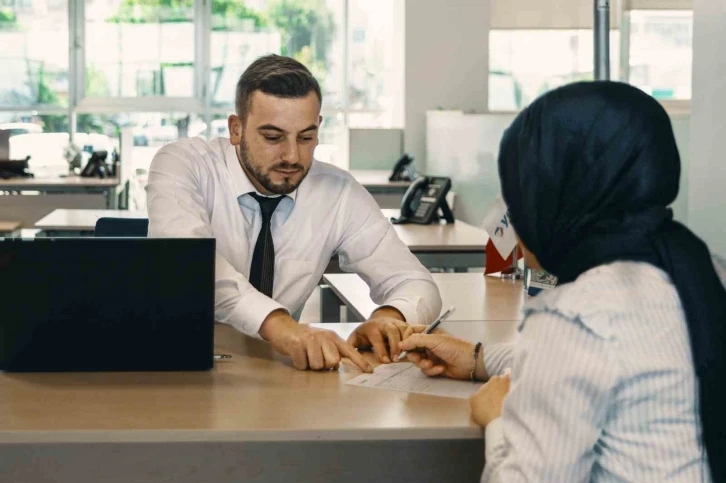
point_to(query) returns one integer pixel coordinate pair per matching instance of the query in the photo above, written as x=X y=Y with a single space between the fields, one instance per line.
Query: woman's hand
x=486 y=404
x=443 y=355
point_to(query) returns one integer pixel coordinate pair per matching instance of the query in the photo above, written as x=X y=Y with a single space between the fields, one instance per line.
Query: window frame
x=681 y=106
x=200 y=103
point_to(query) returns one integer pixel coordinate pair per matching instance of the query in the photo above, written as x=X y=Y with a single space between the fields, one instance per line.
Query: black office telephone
x=15 y=168
x=423 y=200
x=96 y=166
x=403 y=169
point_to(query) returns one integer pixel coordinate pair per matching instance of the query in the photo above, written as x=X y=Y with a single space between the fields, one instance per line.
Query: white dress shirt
x=603 y=386
x=197 y=188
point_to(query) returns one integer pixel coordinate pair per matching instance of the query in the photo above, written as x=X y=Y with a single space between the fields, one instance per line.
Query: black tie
x=262 y=271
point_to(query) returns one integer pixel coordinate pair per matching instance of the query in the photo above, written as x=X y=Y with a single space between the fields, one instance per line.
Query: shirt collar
x=240 y=182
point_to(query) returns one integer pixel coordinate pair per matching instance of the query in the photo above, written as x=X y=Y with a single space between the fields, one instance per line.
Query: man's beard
x=283 y=188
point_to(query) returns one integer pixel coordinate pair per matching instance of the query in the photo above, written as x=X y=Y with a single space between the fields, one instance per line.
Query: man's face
x=275 y=146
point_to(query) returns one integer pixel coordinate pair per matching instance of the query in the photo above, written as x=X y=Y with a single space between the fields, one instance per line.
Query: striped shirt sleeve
x=497 y=358
x=563 y=374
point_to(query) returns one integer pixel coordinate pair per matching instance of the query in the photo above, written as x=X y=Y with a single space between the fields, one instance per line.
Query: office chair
x=122 y=227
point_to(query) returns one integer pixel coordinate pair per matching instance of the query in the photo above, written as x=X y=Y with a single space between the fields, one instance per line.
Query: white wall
x=682 y=131
x=447 y=65
x=465 y=147
x=707 y=173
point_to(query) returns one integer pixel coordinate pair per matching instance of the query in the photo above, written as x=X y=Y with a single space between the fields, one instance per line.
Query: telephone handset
x=96 y=166
x=403 y=169
x=423 y=199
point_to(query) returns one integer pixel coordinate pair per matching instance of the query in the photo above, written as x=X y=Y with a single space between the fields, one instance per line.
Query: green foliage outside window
x=307 y=27
x=7 y=16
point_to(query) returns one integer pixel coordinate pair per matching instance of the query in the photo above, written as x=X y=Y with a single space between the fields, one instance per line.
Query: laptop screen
x=106 y=304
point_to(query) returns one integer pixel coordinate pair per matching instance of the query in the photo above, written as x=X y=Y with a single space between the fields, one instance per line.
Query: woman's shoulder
x=608 y=293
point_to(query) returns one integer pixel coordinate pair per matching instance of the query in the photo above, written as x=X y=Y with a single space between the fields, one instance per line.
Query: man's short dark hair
x=277 y=76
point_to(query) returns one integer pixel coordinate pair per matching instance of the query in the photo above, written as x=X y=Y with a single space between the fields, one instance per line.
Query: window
x=307 y=30
x=522 y=64
x=34 y=54
x=43 y=137
x=136 y=48
x=375 y=75
x=167 y=69
x=661 y=52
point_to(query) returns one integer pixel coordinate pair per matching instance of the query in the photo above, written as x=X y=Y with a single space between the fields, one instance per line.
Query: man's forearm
x=275 y=323
x=418 y=301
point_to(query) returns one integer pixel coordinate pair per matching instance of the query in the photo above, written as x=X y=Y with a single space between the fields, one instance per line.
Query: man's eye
x=306 y=139
x=272 y=138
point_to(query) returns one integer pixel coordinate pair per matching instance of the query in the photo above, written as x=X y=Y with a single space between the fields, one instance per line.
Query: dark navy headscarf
x=588 y=172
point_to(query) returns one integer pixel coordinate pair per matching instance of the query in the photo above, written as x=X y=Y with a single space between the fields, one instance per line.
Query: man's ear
x=234 y=124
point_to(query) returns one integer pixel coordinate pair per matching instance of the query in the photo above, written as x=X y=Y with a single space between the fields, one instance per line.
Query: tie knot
x=267 y=205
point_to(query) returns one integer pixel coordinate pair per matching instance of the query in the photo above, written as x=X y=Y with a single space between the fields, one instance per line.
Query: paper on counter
x=404 y=376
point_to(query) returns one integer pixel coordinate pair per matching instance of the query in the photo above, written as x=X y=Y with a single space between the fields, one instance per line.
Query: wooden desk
x=253 y=418
x=457 y=246
x=79 y=222
x=68 y=192
x=475 y=296
x=9 y=229
x=376 y=180
x=56 y=184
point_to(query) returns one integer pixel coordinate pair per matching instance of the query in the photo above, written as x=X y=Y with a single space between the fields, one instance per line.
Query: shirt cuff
x=497 y=358
x=493 y=440
x=251 y=311
x=406 y=307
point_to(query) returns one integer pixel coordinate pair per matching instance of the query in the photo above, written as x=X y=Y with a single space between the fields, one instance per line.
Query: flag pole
x=513 y=272
x=602 y=39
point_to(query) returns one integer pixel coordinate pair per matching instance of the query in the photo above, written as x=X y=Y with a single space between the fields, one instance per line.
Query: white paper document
x=404 y=376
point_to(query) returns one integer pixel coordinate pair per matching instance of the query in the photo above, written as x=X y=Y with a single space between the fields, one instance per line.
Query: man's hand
x=383 y=332
x=486 y=404
x=309 y=348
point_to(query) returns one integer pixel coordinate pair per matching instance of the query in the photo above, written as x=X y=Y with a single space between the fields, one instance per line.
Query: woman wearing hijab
x=618 y=373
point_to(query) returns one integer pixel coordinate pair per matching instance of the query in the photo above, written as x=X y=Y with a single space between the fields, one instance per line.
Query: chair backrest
x=122 y=227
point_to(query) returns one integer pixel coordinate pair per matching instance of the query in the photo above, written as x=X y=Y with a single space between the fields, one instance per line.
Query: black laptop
x=106 y=304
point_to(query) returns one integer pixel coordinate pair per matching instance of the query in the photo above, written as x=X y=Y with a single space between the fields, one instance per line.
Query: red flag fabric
x=494 y=261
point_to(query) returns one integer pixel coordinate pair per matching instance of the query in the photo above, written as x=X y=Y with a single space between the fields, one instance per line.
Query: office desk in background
x=61 y=223
x=253 y=418
x=57 y=192
x=388 y=194
x=10 y=229
x=476 y=297
x=376 y=181
x=455 y=246
x=458 y=246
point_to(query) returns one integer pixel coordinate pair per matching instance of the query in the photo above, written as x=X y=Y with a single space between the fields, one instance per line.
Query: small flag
x=494 y=261
x=502 y=238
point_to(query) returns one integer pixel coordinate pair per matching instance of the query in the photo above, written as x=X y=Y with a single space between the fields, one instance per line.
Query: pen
x=431 y=327
x=218 y=357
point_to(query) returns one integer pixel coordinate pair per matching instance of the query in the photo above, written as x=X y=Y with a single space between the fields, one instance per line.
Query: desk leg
x=329 y=305
x=111 y=199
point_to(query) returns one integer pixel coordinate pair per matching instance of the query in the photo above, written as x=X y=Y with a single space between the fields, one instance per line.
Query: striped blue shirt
x=603 y=386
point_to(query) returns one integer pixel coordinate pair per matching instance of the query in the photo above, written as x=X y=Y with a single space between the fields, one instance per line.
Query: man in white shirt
x=279 y=216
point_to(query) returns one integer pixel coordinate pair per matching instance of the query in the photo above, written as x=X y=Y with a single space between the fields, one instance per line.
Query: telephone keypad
x=422 y=210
